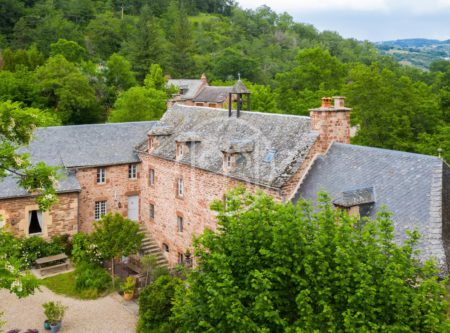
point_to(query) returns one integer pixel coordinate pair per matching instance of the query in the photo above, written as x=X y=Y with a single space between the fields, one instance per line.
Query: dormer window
x=358 y=202
x=180 y=150
x=229 y=161
x=151 y=143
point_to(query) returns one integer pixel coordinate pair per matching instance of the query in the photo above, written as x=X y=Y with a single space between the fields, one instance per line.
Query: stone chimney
x=204 y=79
x=332 y=121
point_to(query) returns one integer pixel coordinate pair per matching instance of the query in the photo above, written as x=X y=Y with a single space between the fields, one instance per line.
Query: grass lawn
x=64 y=284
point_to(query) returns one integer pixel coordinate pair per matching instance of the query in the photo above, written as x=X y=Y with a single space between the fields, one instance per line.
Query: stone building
x=165 y=174
x=199 y=93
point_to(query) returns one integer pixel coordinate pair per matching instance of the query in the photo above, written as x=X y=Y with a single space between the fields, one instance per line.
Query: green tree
x=104 y=35
x=69 y=49
x=263 y=99
x=275 y=267
x=155 y=305
x=316 y=74
x=147 y=44
x=119 y=73
x=115 y=237
x=68 y=91
x=16 y=127
x=155 y=78
x=139 y=104
x=230 y=62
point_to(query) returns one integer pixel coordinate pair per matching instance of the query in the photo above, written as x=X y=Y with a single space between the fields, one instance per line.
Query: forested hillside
x=84 y=61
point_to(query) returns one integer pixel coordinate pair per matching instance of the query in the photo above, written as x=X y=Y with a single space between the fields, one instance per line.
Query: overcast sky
x=375 y=20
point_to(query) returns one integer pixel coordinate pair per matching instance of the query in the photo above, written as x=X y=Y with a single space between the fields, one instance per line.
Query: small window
x=180 y=258
x=152 y=211
x=101 y=175
x=228 y=160
x=36 y=222
x=180 y=223
x=165 y=247
x=150 y=143
x=100 y=209
x=180 y=188
x=151 y=177
x=270 y=155
x=180 y=150
x=132 y=171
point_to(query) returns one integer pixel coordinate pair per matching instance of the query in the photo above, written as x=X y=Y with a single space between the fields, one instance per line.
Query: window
x=100 y=209
x=228 y=160
x=132 y=171
x=180 y=150
x=151 y=211
x=270 y=155
x=35 y=222
x=180 y=225
x=101 y=175
x=165 y=247
x=151 y=177
x=150 y=143
x=180 y=188
x=180 y=258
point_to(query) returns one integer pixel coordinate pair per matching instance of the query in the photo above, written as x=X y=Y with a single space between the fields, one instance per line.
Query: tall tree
x=104 y=35
x=116 y=236
x=68 y=91
x=147 y=44
x=274 y=267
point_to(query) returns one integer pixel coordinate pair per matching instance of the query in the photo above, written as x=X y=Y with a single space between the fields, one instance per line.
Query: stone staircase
x=150 y=247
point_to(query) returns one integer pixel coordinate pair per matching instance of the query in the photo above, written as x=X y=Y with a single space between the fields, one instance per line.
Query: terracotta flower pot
x=128 y=296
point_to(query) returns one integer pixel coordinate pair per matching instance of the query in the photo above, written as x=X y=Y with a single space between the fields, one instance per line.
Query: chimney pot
x=326 y=102
x=339 y=101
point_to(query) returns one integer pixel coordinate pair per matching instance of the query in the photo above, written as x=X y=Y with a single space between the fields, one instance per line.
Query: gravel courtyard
x=102 y=315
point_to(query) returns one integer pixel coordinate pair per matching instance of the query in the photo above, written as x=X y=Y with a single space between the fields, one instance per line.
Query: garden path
x=103 y=315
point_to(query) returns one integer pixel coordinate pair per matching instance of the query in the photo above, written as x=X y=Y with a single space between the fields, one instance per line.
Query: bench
x=49 y=263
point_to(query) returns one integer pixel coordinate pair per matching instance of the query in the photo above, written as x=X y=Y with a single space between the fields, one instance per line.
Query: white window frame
x=180 y=150
x=101 y=175
x=180 y=188
x=100 y=210
x=132 y=171
x=180 y=224
x=151 y=177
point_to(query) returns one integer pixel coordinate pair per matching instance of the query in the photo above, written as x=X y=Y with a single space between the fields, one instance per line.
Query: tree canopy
x=274 y=267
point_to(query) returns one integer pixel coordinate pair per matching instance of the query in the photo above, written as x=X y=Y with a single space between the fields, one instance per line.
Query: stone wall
x=332 y=125
x=200 y=189
x=114 y=191
x=61 y=219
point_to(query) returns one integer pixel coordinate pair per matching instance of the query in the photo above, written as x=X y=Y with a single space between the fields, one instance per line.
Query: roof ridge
x=102 y=124
x=390 y=151
x=183 y=106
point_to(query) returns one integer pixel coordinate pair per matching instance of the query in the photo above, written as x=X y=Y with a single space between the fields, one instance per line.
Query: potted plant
x=128 y=288
x=54 y=311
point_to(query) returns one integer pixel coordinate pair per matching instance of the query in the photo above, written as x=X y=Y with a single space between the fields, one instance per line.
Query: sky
x=373 y=20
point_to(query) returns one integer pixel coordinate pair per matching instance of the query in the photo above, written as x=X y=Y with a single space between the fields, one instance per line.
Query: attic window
x=229 y=161
x=180 y=150
x=270 y=155
x=150 y=143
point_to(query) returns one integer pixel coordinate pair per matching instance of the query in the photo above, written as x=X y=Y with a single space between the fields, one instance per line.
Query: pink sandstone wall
x=61 y=219
x=115 y=192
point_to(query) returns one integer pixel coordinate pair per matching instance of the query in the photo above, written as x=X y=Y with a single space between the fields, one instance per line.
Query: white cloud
x=416 y=7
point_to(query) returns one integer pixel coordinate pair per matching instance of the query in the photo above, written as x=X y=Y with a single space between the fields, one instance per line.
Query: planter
x=128 y=296
x=55 y=327
x=47 y=325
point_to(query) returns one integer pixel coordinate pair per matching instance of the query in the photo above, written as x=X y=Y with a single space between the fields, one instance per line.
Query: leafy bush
x=84 y=249
x=91 y=278
x=63 y=242
x=36 y=247
x=155 y=305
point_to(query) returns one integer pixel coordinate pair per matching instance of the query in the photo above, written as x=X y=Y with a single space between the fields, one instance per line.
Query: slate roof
x=355 y=197
x=239 y=88
x=213 y=94
x=409 y=185
x=192 y=87
x=289 y=136
x=81 y=146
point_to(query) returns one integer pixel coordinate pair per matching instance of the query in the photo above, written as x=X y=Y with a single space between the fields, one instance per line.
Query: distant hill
x=417 y=52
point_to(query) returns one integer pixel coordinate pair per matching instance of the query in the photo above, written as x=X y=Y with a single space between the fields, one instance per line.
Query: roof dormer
x=155 y=134
x=184 y=143
x=233 y=150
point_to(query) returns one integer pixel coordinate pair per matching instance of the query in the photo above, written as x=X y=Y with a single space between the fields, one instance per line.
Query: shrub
x=155 y=305
x=63 y=242
x=84 y=250
x=36 y=247
x=91 y=277
x=54 y=311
